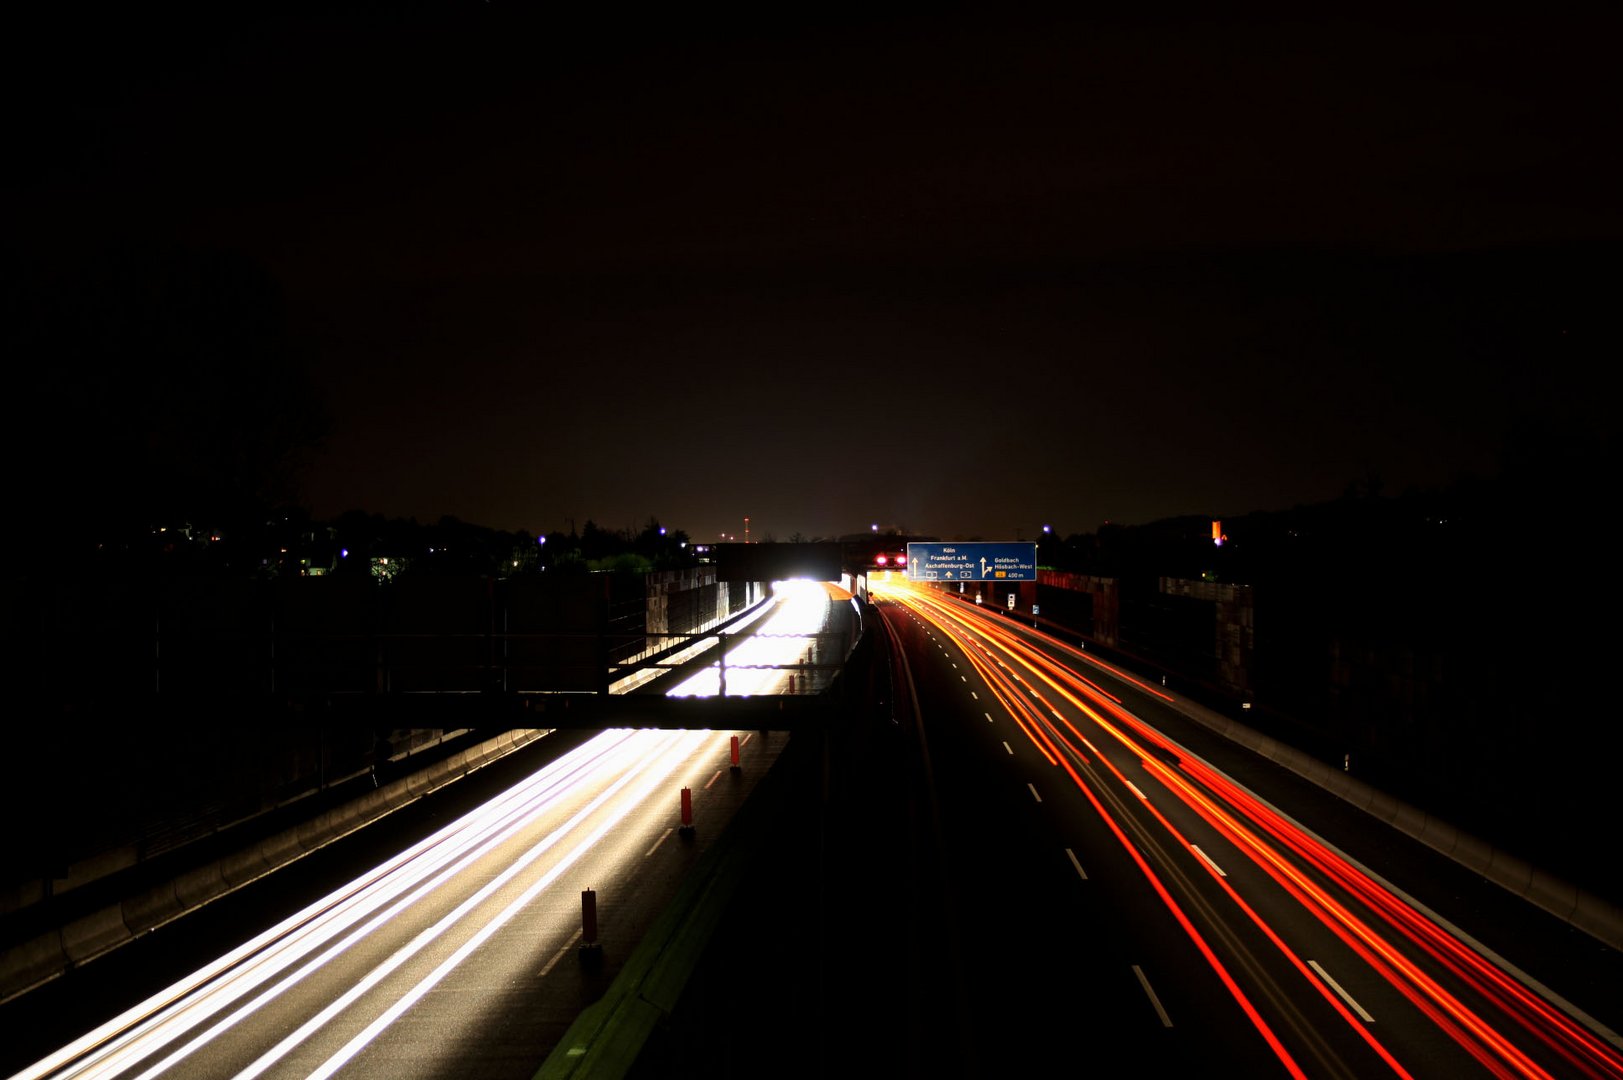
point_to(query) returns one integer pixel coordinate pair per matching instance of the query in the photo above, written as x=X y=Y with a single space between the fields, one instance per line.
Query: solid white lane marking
x=1351 y=1004
x=1033 y=788
x=1207 y=859
x=1166 y=1021
x=1081 y=873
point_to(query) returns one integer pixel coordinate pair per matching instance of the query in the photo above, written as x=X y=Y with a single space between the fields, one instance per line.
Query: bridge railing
x=305 y=664
x=298 y=643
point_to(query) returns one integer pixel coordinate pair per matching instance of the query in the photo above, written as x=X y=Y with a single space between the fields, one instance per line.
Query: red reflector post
x=590 y=950
x=588 y=917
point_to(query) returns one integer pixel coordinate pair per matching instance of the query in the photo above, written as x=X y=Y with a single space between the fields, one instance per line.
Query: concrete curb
x=32 y=963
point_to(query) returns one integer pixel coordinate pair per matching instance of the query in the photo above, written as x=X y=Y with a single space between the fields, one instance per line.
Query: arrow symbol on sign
x=983 y=566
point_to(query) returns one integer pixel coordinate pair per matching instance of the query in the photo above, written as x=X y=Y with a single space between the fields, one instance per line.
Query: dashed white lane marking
x=559 y=955
x=658 y=842
x=1081 y=873
x=1207 y=859
x=1166 y=1021
x=1351 y=1004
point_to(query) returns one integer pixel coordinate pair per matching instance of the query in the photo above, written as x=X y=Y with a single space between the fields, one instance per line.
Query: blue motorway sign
x=972 y=562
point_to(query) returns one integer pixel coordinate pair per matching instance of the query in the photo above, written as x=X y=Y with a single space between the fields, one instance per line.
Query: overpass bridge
x=243 y=706
x=587 y=650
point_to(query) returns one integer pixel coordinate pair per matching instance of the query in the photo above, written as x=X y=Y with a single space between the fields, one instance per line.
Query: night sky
x=963 y=273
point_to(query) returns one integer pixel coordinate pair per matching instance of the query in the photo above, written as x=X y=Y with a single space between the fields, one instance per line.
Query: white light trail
x=658 y=753
x=761 y=663
x=327 y=928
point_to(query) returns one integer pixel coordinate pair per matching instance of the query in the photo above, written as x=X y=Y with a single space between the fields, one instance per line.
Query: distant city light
x=343 y=553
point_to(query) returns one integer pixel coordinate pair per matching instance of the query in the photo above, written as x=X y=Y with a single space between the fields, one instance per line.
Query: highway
x=437 y=960
x=1248 y=937
x=1014 y=859
x=462 y=939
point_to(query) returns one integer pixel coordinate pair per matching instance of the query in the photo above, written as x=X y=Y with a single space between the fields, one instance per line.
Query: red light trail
x=1034 y=680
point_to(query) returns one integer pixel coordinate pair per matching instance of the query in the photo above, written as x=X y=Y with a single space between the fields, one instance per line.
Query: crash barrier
x=34 y=962
x=1600 y=918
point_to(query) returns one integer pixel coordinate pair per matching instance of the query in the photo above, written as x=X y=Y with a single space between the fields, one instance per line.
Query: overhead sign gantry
x=972 y=562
